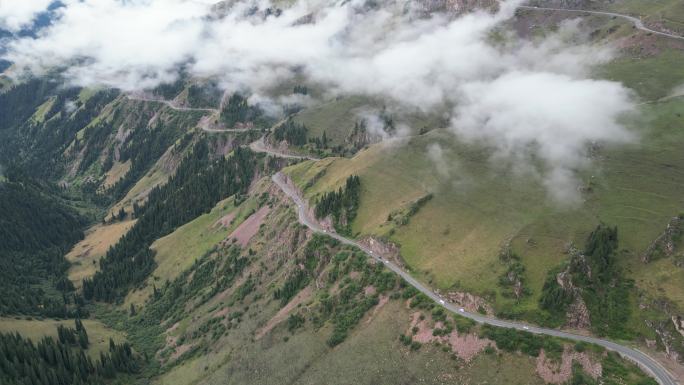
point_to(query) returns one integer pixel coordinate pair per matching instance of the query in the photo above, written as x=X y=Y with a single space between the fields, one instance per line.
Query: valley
x=301 y=228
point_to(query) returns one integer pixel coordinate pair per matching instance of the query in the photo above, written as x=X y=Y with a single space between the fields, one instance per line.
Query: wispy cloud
x=17 y=14
x=518 y=97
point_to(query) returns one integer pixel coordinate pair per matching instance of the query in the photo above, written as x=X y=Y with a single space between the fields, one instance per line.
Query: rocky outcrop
x=678 y=322
x=669 y=338
x=387 y=250
x=470 y=302
x=577 y=316
x=665 y=244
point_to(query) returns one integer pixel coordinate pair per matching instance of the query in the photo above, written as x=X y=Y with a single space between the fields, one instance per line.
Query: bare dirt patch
x=180 y=350
x=115 y=173
x=282 y=314
x=559 y=373
x=172 y=328
x=220 y=313
x=465 y=346
x=225 y=221
x=85 y=254
x=248 y=229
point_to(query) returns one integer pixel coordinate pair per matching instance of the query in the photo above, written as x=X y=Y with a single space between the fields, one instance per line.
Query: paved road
x=205 y=124
x=647 y=363
x=170 y=104
x=260 y=146
x=636 y=21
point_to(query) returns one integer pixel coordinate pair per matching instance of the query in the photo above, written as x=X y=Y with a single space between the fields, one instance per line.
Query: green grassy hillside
x=454 y=240
x=290 y=307
x=98 y=334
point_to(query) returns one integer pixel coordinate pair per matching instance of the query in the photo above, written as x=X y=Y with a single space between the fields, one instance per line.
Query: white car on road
x=462 y=310
x=441 y=301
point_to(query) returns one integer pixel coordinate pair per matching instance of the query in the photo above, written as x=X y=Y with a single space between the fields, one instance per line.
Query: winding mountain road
x=260 y=146
x=647 y=363
x=204 y=123
x=170 y=104
x=634 y=20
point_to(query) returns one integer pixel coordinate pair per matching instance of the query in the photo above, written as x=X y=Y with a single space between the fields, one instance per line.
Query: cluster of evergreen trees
x=38 y=147
x=342 y=204
x=199 y=183
x=237 y=110
x=292 y=132
x=601 y=282
x=36 y=230
x=77 y=336
x=301 y=90
x=144 y=147
x=57 y=362
x=20 y=102
x=204 y=96
x=170 y=90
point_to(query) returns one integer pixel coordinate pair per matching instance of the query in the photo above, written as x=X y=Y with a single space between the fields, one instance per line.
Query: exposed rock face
x=359 y=137
x=387 y=250
x=577 y=316
x=665 y=243
x=516 y=280
x=470 y=302
x=513 y=280
x=670 y=340
x=678 y=322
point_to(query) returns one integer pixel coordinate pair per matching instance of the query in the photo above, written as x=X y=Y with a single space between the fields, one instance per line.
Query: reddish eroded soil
x=180 y=350
x=220 y=313
x=225 y=221
x=248 y=229
x=172 y=328
x=560 y=373
x=465 y=346
x=282 y=314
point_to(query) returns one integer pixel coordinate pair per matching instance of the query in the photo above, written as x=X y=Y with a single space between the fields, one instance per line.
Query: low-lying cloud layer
x=17 y=14
x=523 y=99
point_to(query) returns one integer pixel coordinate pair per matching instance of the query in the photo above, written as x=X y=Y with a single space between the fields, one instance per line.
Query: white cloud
x=524 y=99
x=16 y=14
x=552 y=116
x=436 y=155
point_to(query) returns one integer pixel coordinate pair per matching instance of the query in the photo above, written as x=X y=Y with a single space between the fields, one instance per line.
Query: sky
x=525 y=99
